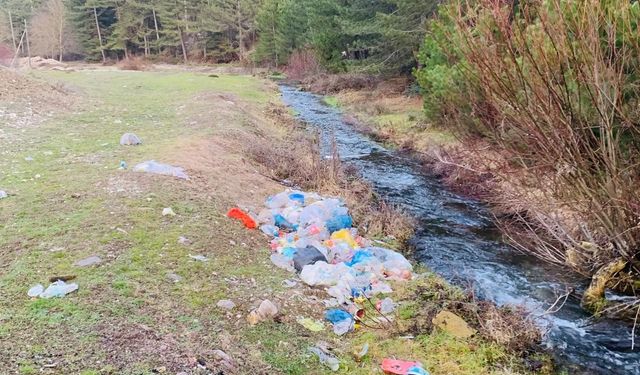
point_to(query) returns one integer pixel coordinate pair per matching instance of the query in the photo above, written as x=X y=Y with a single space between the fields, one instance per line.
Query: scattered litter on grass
x=28 y=158
x=267 y=310
x=386 y=306
x=342 y=321
x=310 y=324
x=153 y=166
x=247 y=220
x=90 y=261
x=36 y=291
x=56 y=289
x=398 y=367
x=123 y=165
x=359 y=356
x=168 y=211
x=130 y=139
x=200 y=258
x=325 y=357
x=3 y=194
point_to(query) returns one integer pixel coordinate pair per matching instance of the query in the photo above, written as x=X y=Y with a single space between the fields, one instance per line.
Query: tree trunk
x=13 y=34
x=240 y=34
x=146 y=46
x=26 y=35
x=95 y=14
x=184 y=48
x=15 y=56
x=155 y=23
x=186 y=16
x=60 y=40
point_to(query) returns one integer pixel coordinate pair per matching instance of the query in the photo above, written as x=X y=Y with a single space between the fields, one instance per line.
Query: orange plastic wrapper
x=236 y=213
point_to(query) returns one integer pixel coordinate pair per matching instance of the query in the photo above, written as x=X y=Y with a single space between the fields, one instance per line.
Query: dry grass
x=510 y=327
x=334 y=83
x=133 y=63
x=296 y=160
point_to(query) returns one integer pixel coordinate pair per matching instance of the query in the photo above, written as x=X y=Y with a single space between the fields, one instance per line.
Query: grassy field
x=69 y=200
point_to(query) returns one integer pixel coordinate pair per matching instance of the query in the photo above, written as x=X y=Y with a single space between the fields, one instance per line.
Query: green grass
x=331 y=101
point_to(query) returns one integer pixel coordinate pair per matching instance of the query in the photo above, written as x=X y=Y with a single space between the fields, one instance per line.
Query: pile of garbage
x=314 y=235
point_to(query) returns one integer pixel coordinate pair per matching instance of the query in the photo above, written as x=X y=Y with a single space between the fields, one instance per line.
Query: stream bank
x=457 y=239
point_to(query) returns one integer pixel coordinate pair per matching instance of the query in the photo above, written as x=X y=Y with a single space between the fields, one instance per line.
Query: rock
x=174 y=277
x=168 y=211
x=184 y=241
x=90 y=261
x=453 y=324
x=226 y=304
x=267 y=310
x=289 y=283
x=130 y=139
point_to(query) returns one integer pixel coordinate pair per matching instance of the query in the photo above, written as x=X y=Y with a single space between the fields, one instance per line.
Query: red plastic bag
x=236 y=213
x=397 y=367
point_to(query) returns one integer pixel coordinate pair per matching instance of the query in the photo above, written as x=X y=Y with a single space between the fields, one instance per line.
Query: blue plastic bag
x=337 y=315
x=339 y=222
x=358 y=257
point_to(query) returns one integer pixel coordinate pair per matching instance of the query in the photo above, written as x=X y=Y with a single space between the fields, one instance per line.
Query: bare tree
x=51 y=34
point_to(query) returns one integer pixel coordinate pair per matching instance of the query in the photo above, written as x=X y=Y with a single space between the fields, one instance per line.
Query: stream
x=457 y=239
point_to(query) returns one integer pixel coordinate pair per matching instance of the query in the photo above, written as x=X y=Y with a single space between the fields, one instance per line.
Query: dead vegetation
x=133 y=63
x=296 y=161
x=508 y=326
x=334 y=83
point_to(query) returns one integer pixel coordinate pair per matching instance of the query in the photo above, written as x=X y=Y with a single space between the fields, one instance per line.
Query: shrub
x=553 y=85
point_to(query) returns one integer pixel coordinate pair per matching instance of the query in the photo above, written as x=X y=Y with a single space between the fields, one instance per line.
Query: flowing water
x=456 y=238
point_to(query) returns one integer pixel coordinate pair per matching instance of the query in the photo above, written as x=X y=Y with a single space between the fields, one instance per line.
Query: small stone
x=184 y=241
x=90 y=261
x=289 y=283
x=453 y=324
x=130 y=139
x=226 y=304
x=174 y=278
x=168 y=211
x=267 y=310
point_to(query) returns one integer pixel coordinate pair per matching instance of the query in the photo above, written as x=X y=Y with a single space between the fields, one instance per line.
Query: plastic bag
x=322 y=273
x=283 y=262
x=326 y=359
x=247 y=220
x=153 y=166
x=398 y=367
